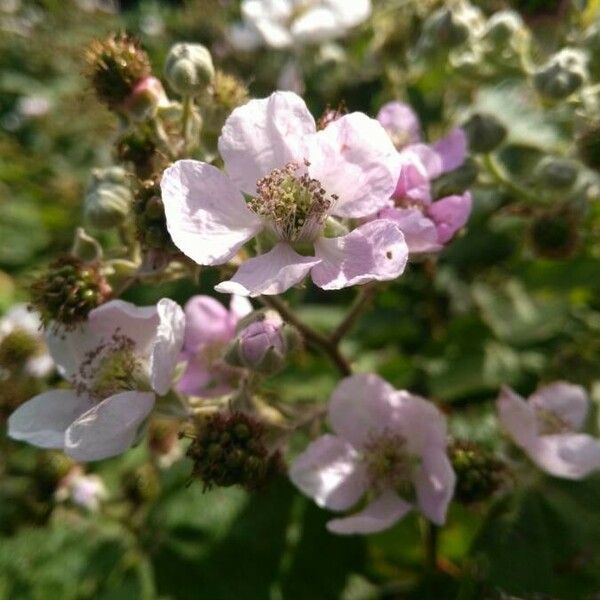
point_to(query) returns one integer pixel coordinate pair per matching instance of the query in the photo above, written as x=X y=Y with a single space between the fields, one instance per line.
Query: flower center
x=389 y=464
x=111 y=368
x=549 y=423
x=293 y=204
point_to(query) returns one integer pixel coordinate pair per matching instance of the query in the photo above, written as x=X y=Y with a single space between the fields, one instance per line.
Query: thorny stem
x=313 y=337
x=360 y=304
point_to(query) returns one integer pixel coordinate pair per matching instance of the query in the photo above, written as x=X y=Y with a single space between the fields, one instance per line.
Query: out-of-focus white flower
x=33 y=106
x=286 y=23
x=118 y=361
x=20 y=327
x=85 y=491
x=546 y=427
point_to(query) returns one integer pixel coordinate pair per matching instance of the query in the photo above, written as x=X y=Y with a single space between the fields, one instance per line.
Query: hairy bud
x=588 y=145
x=150 y=220
x=555 y=234
x=556 y=173
x=230 y=449
x=145 y=99
x=108 y=198
x=189 y=69
x=455 y=182
x=66 y=293
x=139 y=149
x=478 y=472
x=562 y=75
x=484 y=132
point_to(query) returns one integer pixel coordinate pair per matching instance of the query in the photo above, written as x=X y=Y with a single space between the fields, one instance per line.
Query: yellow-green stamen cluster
x=294 y=205
x=389 y=464
x=68 y=291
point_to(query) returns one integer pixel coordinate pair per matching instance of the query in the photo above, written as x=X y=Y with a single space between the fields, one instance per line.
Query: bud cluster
x=150 y=221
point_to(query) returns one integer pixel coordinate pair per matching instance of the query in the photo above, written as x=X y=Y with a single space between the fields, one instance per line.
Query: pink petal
x=452 y=149
x=207 y=216
x=207 y=321
x=449 y=215
x=270 y=273
x=413 y=178
x=420 y=233
x=434 y=484
x=377 y=516
x=330 y=472
x=360 y=406
x=401 y=123
x=167 y=345
x=352 y=158
x=567 y=401
x=109 y=428
x=375 y=251
x=203 y=380
x=568 y=455
x=43 y=420
x=263 y=135
x=430 y=160
x=517 y=417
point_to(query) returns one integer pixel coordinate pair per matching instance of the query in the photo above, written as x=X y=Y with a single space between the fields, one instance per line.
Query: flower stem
x=430 y=541
x=360 y=304
x=313 y=337
x=185 y=120
x=499 y=175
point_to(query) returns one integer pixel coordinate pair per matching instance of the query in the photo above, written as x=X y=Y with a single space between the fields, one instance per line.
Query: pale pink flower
x=295 y=179
x=118 y=361
x=388 y=445
x=546 y=427
x=285 y=23
x=209 y=328
x=401 y=122
x=83 y=490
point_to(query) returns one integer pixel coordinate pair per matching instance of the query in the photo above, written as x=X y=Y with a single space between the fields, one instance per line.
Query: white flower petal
x=375 y=251
x=264 y=135
x=350 y=13
x=43 y=420
x=207 y=216
x=378 y=515
x=567 y=455
x=420 y=233
x=517 y=417
x=353 y=158
x=167 y=345
x=108 y=428
x=434 y=482
x=567 y=401
x=69 y=348
x=270 y=273
x=330 y=472
x=360 y=406
x=317 y=25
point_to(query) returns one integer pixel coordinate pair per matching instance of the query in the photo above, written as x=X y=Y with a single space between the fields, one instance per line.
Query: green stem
x=313 y=337
x=430 y=541
x=185 y=120
x=499 y=175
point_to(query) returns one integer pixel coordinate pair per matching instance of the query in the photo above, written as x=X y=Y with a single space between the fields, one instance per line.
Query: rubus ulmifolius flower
x=389 y=447
x=117 y=362
x=547 y=427
x=427 y=225
x=286 y=183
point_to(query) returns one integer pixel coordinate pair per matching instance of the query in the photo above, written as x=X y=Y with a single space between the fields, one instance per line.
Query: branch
x=360 y=304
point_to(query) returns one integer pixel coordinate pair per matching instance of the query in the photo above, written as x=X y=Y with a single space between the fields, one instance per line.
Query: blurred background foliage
x=497 y=308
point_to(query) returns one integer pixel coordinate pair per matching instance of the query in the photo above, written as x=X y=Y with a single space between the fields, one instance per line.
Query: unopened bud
x=478 y=472
x=556 y=173
x=150 y=220
x=145 y=99
x=588 y=145
x=86 y=247
x=227 y=92
x=555 y=234
x=455 y=182
x=189 y=69
x=562 y=75
x=230 y=449
x=66 y=293
x=139 y=149
x=108 y=198
x=484 y=132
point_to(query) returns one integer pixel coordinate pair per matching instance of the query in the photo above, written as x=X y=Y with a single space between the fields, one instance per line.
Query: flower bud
x=229 y=448
x=555 y=234
x=556 y=173
x=478 y=472
x=142 y=484
x=150 y=220
x=506 y=41
x=226 y=93
x=562 y=75
x=484 y=132
x=115 y=66
x=66 y=293
x=588 y=145
x=108 y=198
x=189 y=69
x=139 y=149
x=145 y=99
x=455 y=182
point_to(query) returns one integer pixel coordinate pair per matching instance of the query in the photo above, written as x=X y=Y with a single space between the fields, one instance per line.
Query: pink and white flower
x=19 y=319
x=427 y=225
x=546 y=427
x=285 y=181
x=388 y=445
x=286 y=23
x=118 y=361
x=209 y=328
x=84 y=490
